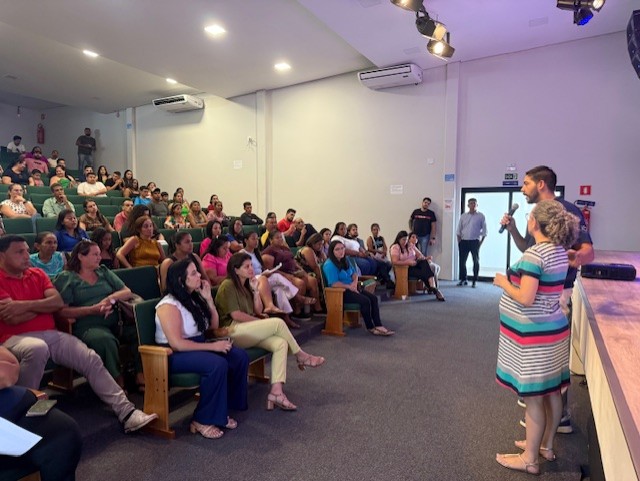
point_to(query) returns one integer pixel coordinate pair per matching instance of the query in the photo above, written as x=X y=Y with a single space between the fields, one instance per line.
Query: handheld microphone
x=514 y=208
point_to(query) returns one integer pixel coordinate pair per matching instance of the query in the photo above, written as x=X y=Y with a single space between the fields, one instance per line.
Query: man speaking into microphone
x=540 y=184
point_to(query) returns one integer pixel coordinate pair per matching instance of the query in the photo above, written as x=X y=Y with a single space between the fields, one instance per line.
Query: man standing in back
x=472 y=229
x=423 y=223
x=86 y=147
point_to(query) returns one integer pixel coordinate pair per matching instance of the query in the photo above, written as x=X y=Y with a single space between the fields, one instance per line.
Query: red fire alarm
x=585 y=190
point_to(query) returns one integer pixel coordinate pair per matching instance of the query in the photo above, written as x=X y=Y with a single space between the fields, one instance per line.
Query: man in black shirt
x=249 y=218
x=86 y=147
x=423 y=224
x=17 y=173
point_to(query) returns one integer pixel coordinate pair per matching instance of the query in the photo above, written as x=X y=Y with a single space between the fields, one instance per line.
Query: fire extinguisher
x=40 y=134
x=586 y=213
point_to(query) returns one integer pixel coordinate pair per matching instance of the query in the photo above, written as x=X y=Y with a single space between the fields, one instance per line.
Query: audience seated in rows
x=90 y=292
x=104 y=239
x=285 y=225
x=15 y=206
x=92 y=217
x=248 y=217
x=311 y=256
x=183 y=318
x=141 y=249
x=240 y=308
x=91 y=187
x=68 y=231
x=236 y=236
x=340 y=273
x=17 y=173
x=28 y=300
x=366 y=264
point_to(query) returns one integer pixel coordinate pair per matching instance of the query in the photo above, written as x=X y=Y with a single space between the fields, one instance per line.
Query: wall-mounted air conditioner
x=383 y=78
x=179 y=103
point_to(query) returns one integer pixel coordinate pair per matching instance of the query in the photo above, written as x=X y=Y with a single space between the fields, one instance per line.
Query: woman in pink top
x=213 y=230
x=216 y=259
x=405 y=254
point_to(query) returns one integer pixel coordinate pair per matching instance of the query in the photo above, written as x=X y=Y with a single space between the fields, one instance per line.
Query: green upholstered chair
x=34 y=189
x=18 y=225
x=46 y=224
x=143 y=281
x=109 y=210
x=197 y=234
x=115 y=194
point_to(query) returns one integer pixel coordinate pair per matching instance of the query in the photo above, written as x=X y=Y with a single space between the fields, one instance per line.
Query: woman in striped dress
x=533 y=350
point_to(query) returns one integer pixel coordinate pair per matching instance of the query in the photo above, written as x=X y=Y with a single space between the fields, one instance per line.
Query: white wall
x=65 y=124
x=25 y=126
x=574 y=107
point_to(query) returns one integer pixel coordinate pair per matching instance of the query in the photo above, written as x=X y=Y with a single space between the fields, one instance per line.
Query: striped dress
x=533 y=350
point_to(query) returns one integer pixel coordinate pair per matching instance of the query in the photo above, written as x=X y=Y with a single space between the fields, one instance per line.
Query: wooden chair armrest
x=39 y=394
x=366 y=278
x=339 y=290
x=147 y=350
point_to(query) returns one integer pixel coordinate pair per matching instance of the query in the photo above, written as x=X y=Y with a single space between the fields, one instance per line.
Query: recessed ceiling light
x=215 y=30
x=89 y=53
x=171 y=81
x=282 y=66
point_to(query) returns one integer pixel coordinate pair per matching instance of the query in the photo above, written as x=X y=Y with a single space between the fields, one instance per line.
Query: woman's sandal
x=231 y=423
x=206 y=430
x=310 y=361
x=309 y=301
x=376 y=331
x=273 y=310
x=280 y=401
x=438 y=294
x=546 y=453
x=523 y=466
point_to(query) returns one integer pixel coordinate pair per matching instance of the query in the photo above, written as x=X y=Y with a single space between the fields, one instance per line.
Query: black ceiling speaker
x=633 y=40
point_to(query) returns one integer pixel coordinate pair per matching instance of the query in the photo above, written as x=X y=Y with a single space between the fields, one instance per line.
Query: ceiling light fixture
x=429 y=27
x=441 y=48
x=171 y=81
x=411 y=5
x=582 y=9
x=282 y=66
x=215 y=30
x=91 y=54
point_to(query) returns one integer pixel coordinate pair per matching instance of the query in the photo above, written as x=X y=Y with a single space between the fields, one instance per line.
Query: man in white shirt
x=472 y=229
x=92 y=188
x=16 y=146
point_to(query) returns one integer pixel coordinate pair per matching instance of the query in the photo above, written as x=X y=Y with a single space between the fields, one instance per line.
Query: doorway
x=498 y=251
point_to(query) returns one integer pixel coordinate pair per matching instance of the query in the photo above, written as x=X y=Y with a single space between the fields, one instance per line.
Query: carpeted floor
x=422 y=405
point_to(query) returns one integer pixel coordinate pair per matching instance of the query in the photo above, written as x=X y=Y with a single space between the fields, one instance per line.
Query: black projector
x=614 y=272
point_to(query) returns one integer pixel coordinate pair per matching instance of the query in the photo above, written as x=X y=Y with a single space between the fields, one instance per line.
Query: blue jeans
x=83 y=161
x=423 y=244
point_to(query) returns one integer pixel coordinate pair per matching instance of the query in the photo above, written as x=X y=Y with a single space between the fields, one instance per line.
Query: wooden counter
x=606 y=341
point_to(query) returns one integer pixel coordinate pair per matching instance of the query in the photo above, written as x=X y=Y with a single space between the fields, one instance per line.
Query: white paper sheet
x=15 y=441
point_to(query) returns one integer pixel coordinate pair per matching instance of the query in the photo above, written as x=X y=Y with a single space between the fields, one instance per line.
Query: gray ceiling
x=142 y=42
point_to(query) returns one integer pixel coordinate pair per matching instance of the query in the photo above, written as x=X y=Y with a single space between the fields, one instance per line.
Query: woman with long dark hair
x=102 y=237
x=68 y=232
x=405 y=254
x=211 y=231
x=180 y=247
x=92 y=217
x=240 y=308
x=339 y=273
x=183 y=316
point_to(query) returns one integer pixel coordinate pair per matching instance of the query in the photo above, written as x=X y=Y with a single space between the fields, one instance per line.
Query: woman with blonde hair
x=533 y=348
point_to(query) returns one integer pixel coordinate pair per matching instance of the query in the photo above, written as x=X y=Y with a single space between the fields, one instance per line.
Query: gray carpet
x=422 y=405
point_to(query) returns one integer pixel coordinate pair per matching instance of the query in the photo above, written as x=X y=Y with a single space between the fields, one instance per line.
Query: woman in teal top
x=46 y=257
x=90 y=293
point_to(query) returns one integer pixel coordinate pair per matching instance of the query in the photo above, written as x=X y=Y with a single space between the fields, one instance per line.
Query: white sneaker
x=137 y=420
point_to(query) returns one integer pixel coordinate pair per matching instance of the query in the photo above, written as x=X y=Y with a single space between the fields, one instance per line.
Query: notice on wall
x=448 y=205
x=449 y=177
x=237 y=164
x=397 y=189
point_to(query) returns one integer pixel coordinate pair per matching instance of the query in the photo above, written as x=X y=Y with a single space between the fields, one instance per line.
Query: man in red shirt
x=286 y=225
x=27 y=303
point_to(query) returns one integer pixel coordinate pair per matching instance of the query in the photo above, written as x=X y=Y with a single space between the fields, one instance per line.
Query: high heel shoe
x=310 y=361
x=281 y=401
x=546 y=453
x=206 y=430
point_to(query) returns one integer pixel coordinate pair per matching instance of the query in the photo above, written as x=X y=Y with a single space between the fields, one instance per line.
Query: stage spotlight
x=441 y=48
x=411 y=5
x=430 y=28
x=581 y=16
x=594 y=4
